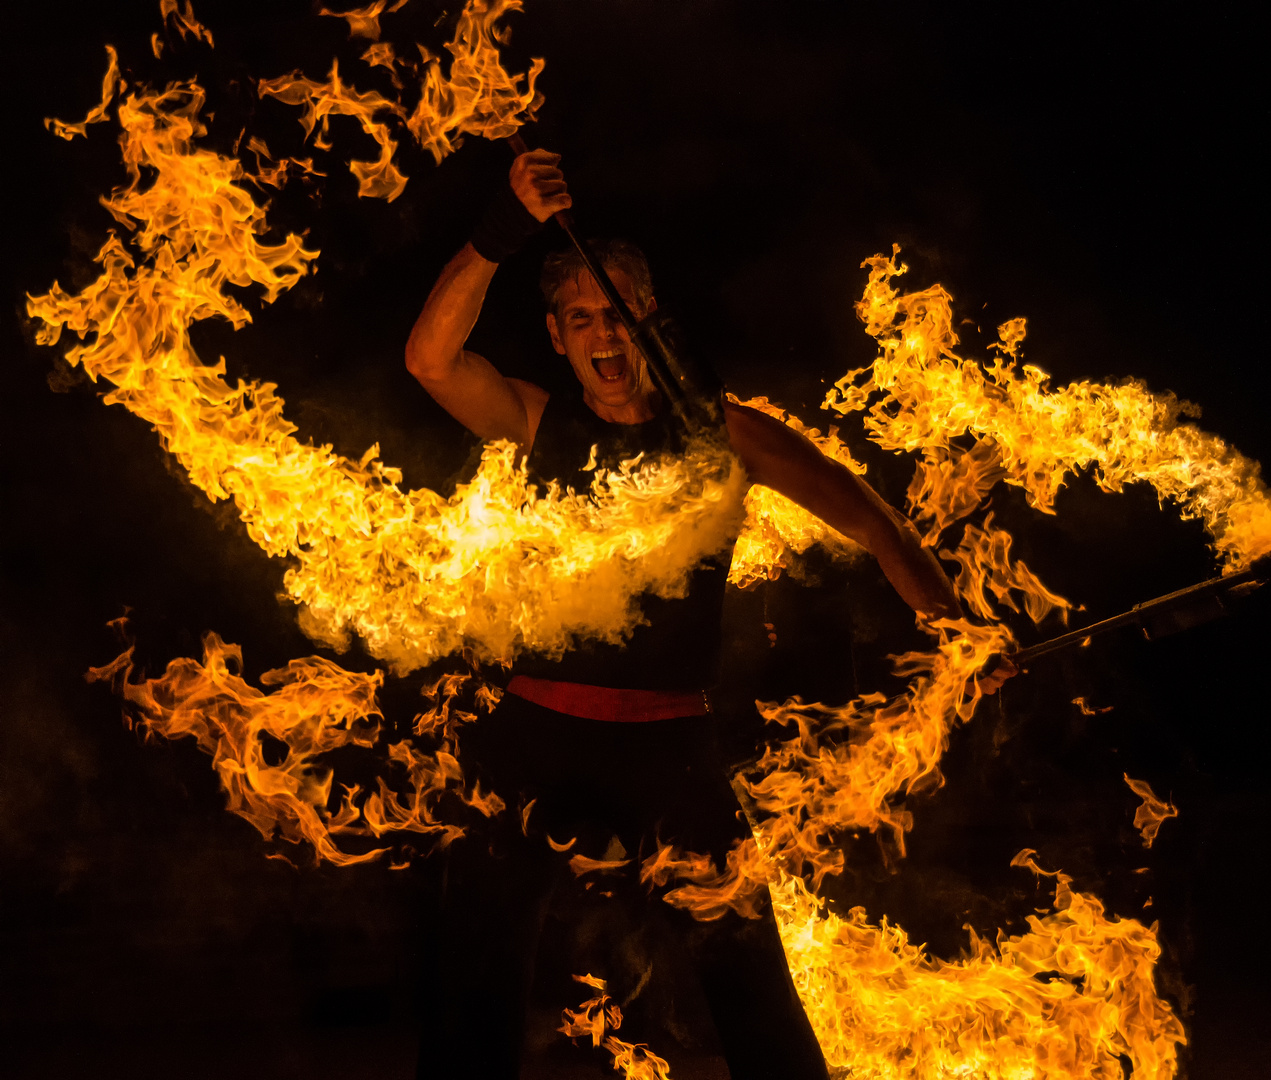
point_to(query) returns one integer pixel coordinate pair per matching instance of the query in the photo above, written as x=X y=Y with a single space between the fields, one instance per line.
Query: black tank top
x=679 y=647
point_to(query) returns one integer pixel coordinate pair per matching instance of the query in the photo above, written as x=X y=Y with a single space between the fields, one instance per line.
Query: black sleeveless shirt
x=678 y=646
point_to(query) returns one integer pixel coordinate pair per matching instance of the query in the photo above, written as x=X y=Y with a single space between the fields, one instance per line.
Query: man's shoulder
x=767 y=448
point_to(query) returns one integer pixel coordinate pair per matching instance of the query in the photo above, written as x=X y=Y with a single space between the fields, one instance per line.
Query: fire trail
x=501 y=567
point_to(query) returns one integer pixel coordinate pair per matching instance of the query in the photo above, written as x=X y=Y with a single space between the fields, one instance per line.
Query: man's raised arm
x=464 y=383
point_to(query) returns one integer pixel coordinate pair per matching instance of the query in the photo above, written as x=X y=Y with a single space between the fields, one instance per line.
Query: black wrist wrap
x=505 y=226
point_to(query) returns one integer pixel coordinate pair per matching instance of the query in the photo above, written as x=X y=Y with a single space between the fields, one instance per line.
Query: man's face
x=588 y=333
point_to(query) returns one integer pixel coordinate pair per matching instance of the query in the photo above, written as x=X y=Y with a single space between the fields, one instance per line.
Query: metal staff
x=693 y=391
x=1164 y=615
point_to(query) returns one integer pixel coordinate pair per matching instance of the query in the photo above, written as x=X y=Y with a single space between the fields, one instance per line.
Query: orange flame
x=1149 y=817
x=314 y=707
x=382 y=54
x=596 y=1019
x=277 y=174
x=111 y=82
x=364 y=22
x=582 y=864
x=183 y=21
x=876 y=1001
x=984 y=554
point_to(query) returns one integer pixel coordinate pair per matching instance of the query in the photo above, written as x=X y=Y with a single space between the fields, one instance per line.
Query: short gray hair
x=562 y=267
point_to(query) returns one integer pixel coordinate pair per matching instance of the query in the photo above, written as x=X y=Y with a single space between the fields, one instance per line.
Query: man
x=608 y=745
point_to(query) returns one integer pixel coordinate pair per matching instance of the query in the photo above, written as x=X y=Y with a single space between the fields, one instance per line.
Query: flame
x=1075 y=994
x=501 y=567
x=1037 y=437
x=315 y=707
x=477 y=96
x=1149 y=817
x=112 y=82
x=183 y=21
x=277 y=174
x=1067 y=999
x=776 y=528
x=364 y=22
x=582 y=864
x=382 y=54
x=380 y=179
x=843 y=771
x=984 y=554
x=417 y=576
x=596 y=1019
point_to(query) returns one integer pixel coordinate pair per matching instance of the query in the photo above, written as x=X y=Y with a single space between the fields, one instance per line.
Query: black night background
x=1090 y=167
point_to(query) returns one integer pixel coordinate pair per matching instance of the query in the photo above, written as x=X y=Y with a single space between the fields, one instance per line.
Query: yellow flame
x=277 y=174
x=380 y=179
x=984 y=554
x=777 y=529
x=477 y=95
x=846 y=769
x=1075 y=993
x=1037 y=437
x=1153 y=812
x=596 y=1019
x=1066 y=999
x=417 y=576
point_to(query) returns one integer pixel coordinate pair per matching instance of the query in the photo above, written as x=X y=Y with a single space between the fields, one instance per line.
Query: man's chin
x=615 y=393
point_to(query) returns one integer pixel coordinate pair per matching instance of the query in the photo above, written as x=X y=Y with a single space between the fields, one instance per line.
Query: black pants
x=643 y=783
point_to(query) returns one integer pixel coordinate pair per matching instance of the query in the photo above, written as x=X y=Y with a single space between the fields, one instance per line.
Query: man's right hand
x=539 y=184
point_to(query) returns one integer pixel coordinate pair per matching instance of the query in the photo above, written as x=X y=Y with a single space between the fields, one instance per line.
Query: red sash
x=606 y=703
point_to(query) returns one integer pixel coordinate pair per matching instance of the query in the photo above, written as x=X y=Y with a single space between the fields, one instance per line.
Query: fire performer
x=610 y=742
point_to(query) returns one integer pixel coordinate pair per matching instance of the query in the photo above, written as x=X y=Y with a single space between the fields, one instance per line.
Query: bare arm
x=780 y=458
x=462 y=382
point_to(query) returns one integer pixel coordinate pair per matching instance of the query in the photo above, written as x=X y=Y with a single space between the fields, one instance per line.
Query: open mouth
x=611 y=366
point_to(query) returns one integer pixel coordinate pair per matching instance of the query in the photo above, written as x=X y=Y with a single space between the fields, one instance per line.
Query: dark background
x=1089 y=167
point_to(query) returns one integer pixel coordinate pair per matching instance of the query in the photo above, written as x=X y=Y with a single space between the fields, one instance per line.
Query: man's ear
x=554 y=331
x=651 y=306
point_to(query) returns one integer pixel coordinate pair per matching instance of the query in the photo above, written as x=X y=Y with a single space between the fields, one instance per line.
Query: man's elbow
x=423 y=361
